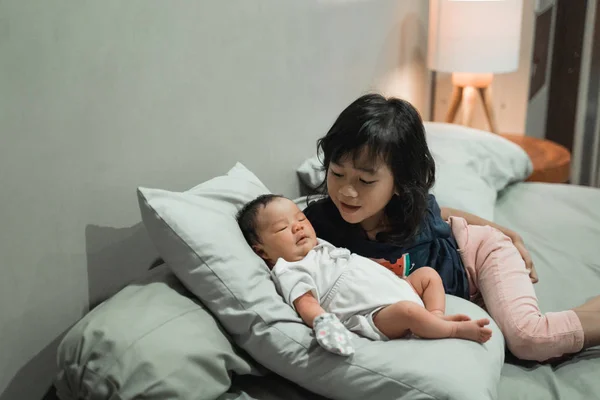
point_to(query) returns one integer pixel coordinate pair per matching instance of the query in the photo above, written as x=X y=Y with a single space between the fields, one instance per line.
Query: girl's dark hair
x=389 y=130
x=246 y=217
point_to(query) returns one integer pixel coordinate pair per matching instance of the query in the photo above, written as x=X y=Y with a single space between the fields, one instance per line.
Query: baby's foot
x=473 y=330
x=456 y=317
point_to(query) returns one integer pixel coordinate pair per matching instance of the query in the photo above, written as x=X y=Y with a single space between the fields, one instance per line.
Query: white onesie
x=352 y=287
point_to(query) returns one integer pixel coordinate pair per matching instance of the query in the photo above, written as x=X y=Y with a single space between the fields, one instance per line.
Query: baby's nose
x=297 y=227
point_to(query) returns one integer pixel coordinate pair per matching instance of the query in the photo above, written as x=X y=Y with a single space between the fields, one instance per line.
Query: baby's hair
x=247 y=216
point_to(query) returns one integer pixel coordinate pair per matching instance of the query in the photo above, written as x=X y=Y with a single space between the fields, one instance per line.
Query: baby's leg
x=428 y=285
x=396 y=320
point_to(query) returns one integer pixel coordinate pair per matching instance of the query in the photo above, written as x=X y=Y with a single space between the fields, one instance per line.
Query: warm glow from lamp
x=473 y=40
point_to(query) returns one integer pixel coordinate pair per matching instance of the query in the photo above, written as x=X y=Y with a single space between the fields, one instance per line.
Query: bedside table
x=551 y=161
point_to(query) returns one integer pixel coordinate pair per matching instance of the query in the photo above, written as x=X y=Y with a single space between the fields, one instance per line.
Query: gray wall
x=99 y=97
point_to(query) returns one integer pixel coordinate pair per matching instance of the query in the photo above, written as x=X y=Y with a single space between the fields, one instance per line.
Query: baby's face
x=284 y=232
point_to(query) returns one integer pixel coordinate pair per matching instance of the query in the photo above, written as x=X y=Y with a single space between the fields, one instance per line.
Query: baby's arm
x=308 y=307
x=329 y=331
x=300 y=290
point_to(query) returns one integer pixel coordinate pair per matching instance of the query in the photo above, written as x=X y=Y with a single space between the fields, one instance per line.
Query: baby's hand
x=332 y=335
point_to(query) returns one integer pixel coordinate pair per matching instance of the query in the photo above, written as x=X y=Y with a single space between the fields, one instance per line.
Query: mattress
x=561 y=228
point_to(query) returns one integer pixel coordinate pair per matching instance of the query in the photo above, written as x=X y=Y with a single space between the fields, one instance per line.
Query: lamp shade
x=474 y=36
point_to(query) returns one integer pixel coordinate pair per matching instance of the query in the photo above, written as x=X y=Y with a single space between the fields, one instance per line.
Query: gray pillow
x=197 y=235
x=148 y=341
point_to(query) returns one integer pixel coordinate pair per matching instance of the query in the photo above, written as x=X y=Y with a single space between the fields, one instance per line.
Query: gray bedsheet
x=561 y=228
x=271 y=387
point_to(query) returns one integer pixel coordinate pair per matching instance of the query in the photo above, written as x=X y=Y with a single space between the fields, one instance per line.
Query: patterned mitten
x=332 y=335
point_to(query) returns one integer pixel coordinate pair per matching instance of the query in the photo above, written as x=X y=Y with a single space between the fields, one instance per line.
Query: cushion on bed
x=148 y=341
x=471 y=167
x=197 y=235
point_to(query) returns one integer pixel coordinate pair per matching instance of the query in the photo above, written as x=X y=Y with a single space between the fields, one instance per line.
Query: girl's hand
x=518 y=242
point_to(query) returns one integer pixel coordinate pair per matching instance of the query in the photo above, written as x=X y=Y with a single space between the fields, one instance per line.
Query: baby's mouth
x=302 y=239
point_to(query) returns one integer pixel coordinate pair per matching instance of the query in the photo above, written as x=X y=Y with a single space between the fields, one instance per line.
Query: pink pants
x=497 y=273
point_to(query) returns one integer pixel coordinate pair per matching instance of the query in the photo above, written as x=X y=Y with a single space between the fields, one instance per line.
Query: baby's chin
x=304 y=247
x=300 y=251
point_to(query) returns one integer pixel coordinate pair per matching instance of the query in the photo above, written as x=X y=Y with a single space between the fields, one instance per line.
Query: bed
x=567 y=263
x=561 y=226
x=103 y=358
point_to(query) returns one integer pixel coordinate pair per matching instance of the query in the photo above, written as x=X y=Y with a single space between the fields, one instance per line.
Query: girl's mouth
x=348 y=208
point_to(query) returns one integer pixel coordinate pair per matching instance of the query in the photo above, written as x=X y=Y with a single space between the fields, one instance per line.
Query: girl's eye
x=302 y=219
x=282 y=229
x=367 y=182
x=336 y=174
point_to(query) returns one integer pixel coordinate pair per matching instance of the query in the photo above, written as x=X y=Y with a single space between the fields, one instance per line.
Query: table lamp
x=474 y=39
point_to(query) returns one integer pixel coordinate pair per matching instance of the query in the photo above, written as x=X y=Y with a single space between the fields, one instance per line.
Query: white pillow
x=197 y=235
x=496 y=160
x=472 y=166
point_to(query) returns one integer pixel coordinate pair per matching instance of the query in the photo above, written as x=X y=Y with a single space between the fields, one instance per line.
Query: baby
x=335 y=292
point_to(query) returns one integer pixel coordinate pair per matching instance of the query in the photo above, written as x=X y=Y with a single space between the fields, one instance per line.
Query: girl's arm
x=308 y=307
x=514 y=236
x=473 y=219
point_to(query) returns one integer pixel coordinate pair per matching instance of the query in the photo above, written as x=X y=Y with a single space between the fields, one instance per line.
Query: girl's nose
x=348 y=191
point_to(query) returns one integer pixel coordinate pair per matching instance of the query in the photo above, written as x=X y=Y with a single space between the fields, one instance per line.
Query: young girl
x=379 y=173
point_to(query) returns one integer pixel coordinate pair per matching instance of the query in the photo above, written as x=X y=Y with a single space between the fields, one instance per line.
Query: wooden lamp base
x=466 y=88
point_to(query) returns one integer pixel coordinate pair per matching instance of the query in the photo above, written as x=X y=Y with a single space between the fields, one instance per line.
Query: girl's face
x=360 y=189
